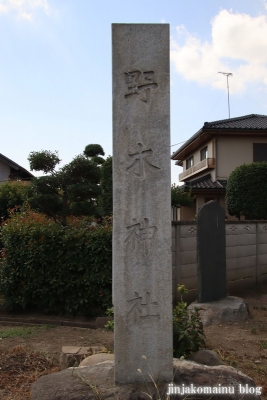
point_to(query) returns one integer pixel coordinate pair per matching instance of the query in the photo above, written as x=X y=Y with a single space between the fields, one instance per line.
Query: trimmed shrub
x=246 y=191
x=55 y=268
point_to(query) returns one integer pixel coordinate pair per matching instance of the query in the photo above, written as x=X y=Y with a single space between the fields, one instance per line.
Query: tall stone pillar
x=211 y=250
x=142 y=268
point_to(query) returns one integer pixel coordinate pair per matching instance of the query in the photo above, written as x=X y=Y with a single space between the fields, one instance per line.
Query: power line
x=178 y=143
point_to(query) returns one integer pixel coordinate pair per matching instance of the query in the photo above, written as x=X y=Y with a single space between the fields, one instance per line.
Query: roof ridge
x=234 y=119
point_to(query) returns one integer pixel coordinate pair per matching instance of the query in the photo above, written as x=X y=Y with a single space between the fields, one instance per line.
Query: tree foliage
x=106 y=197
x=246 y=191
x=93 y=152
x=12 y=194
x=44 y=160
x=72 y=190
x=179 y=197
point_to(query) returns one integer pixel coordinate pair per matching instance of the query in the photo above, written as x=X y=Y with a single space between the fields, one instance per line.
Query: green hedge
x=246 y=191
x=54 y=268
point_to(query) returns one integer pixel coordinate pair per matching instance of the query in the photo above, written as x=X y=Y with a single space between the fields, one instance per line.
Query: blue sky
x=55 y=68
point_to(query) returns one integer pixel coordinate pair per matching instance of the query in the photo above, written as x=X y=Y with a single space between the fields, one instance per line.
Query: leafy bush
x=179 y=197
x=12 y=194
x=188 y=333
x=246 y=191
x=55 y=268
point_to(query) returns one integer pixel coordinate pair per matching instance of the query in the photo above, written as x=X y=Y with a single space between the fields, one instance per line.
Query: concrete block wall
x=246 y=256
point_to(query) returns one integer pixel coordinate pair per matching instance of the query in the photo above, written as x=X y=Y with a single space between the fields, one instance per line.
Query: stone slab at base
x=96 y=359
x=73 y=355
x=97 y=381
x=230 y=309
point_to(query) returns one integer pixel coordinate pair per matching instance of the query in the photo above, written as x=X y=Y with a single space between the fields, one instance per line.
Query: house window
x=189 y=162
x=204 y=153
x=259 y=152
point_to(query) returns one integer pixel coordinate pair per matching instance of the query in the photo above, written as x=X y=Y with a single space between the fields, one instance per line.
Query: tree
x=106 y=197
x=12 y=194
x=93 y=151
x=179 y=197
x=72 y=190
x=246 y=191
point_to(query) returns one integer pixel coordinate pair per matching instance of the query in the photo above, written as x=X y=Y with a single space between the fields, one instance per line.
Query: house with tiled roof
x=9 y=170
x=212 y=153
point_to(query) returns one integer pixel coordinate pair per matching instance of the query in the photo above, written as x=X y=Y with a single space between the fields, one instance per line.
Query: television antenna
x=227 y=74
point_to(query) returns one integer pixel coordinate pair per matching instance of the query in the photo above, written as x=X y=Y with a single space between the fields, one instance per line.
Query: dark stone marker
x=211 y=253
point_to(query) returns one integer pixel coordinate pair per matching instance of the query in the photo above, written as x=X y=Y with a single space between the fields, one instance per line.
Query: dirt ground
x=242 y=345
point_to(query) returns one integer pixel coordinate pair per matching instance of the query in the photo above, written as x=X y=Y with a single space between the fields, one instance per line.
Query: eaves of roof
x=14 y=165
x=248 y=124
x=205 y=183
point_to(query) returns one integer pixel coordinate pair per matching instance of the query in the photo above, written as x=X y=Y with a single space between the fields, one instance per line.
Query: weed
x=227 y=357
x=110 y=325
x=263 y=344
x=188 y=332
x=110 y=311
x=253 y=330
x=255 y=307
x=264 y=308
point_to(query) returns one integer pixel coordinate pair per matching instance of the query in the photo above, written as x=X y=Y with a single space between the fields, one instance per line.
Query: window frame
x=206 y=153
x=191 y=159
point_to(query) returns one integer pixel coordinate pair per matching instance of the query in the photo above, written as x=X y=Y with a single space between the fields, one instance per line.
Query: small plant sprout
x=182 y=290
x=110 y=325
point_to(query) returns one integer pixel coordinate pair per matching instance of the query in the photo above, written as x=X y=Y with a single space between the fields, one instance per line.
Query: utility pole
x=227 y=74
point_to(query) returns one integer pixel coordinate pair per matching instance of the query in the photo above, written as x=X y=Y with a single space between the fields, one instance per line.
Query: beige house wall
x=196 y=159
x=4 y=171
x=229 y=152
x=187 y=213
x=234 y=151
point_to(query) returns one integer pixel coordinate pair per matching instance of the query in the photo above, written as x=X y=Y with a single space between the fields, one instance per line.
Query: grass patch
x=22 y=331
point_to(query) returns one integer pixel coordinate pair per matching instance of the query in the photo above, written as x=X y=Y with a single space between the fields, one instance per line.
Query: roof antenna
x=227 y=74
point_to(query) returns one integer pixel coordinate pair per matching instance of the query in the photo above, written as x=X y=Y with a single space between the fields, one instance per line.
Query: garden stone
x=73 y=355
x=96 y=358
x=230 y=309
x=70 y=384
x=206 y=357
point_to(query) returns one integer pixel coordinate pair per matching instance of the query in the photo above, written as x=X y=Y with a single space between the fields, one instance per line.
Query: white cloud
x=238 y=45
x=24 y=8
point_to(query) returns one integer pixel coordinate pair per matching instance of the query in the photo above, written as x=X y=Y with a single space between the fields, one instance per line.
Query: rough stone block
x=70 y=384
x=230 y=309
x=73 y=355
